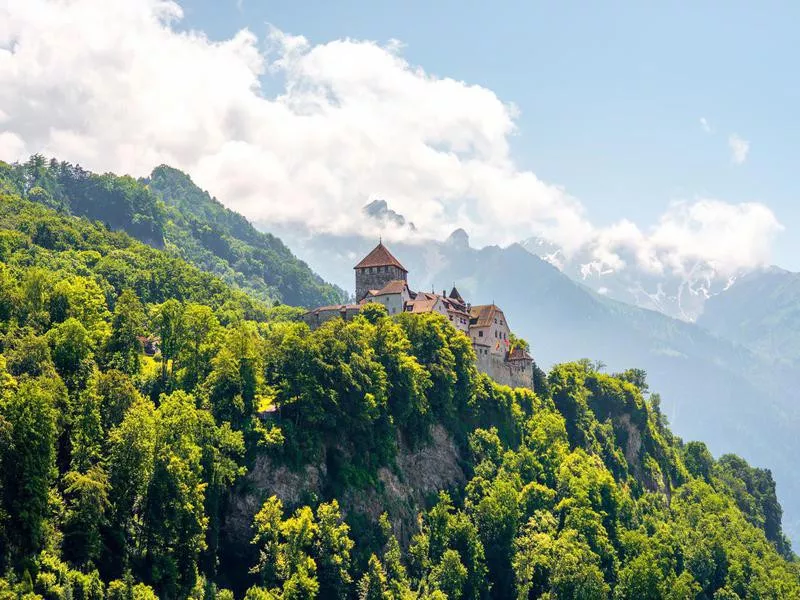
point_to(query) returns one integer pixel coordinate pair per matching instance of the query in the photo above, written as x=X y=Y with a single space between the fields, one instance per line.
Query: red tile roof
x=518 y=353
x=422 y=304
x=393 y=287
x=380 y=257
x=483 y=314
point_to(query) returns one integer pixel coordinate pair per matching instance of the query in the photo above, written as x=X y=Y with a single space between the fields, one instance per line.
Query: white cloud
x=705 y=125
x=117 y=85
x=726 y=236
x=739 y=148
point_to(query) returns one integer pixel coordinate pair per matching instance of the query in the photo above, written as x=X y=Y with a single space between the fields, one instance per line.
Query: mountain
x=680 y=294
x=761 y=312
x=167 y=211
x=711 y=388
x=239 y=454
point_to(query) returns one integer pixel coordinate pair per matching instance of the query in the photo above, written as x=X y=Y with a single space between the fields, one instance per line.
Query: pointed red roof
x=380 y=257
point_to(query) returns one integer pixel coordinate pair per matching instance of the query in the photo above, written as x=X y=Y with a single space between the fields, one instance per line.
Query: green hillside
x=252 y=457
x=169 y=212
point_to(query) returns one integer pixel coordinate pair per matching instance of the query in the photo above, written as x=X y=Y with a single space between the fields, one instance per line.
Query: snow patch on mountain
x=681 y=294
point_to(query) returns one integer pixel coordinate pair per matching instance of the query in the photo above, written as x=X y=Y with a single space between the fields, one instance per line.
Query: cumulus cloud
x=704 y=230
x=739 y=149
x=118 y=85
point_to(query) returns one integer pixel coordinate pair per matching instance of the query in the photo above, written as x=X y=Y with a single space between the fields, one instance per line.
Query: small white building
x=394 y=296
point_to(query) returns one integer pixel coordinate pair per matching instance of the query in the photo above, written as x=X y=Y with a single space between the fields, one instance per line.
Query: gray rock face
x=419 y=474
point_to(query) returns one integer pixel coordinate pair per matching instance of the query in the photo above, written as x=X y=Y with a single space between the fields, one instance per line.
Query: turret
x=377 y=269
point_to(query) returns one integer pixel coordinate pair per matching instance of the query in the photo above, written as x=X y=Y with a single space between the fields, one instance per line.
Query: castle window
x=480 y=334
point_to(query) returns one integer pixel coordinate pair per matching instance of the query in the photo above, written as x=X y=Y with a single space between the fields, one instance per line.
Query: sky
x=660 y=135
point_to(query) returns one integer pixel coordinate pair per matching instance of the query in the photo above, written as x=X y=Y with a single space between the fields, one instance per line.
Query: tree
x=166 y=320
x=637 y=377
x=174 y=518
x=117 y=394
x=698 y=460
x=332 y=552
x=29 y=464
x=373 y=312
x=396 y=576
x=131 y=464
x=267 y=525
x=372 y=585
x=199 y=323
x=71 y=348
x=575 y=571
x=123 y=347
x=87 y=430
x=641 y=578
x=450 y=574
x=285 y=548
x=518 y=342
x=87 y=500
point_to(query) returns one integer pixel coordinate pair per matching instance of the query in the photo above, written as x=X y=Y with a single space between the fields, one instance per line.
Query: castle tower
x=376 y=270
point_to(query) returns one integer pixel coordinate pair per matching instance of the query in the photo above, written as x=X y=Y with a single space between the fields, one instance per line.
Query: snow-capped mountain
x=679 y=295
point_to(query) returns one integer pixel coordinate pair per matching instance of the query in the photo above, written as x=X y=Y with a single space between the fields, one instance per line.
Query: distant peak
x=458 y=238
x=379 y=210
x=377 y=206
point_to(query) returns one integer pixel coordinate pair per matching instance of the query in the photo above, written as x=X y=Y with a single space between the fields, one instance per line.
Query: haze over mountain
x=762 y=312
x=680 y=293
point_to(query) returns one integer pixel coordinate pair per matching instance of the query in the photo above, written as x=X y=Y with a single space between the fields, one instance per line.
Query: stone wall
x=505 y=373
x=375 y=278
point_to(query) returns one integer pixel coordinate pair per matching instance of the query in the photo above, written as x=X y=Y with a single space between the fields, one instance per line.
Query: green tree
x=174 y=519
x=131 y=464
x=86 y=497
x=71 y=348
x=332 y=552
x=28 y=465
x=123 y=347
x=166 y=320
x=372 y=585
x=199 y=324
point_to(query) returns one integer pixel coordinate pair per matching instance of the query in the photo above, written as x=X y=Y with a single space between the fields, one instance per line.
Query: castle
x=381 y=278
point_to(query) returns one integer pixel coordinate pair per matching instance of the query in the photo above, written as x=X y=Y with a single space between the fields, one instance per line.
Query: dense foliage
x=117 y=468
x=168 y=211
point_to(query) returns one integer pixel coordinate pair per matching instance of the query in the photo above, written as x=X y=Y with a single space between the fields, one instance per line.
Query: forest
x=167 y=211
x=140 y=388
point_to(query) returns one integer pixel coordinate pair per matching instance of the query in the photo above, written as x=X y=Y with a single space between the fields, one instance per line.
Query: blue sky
x=610 y=96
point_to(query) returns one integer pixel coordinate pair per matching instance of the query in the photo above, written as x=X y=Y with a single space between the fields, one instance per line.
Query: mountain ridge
x=167 y=210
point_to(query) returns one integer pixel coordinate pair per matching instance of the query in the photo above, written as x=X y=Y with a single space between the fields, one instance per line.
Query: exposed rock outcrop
x=403 y=490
